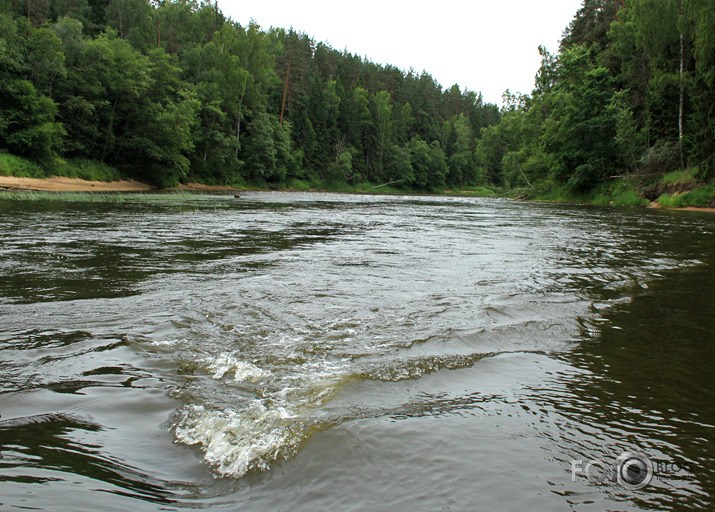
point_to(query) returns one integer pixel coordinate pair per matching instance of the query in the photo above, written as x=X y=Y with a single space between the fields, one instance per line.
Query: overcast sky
x=481 y=45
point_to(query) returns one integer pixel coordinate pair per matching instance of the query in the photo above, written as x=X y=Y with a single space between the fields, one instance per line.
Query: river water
x=306 y=351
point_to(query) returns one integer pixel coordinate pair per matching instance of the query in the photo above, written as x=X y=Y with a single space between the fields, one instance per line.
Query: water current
x=311 y=351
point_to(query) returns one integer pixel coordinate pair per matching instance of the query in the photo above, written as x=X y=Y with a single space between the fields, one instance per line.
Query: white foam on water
x=242 y=371
x=236 y=442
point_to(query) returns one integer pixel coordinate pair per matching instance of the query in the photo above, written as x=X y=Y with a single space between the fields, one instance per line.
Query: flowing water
x=301 y=351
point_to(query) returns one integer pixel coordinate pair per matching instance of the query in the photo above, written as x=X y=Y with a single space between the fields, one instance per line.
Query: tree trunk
x=121 y=16
x=238 y=121
x=382 y=142
x=339 y=147
x=285 y=90
x=525 y=178
x=109 y=130
x=682 y=94
x=206 y=148
x=238 y=133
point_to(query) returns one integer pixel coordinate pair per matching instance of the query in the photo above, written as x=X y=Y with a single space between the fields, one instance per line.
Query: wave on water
x=242 y=371
x=236 y=442
x=263 y=354
x=248 y=428
x=269 y=419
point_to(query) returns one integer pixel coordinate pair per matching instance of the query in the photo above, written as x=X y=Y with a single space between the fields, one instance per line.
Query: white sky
x=481 y=45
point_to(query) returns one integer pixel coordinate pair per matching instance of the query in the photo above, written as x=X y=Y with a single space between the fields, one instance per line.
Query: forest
x=173 y=91
x=627 y=100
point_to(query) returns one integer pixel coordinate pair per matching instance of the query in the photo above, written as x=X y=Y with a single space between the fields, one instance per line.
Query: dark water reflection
x=328 y=352
x=651 y=373
x=44 y=442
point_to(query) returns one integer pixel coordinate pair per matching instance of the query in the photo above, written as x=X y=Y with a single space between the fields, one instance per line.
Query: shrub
x=11 y=165
x=661 y=158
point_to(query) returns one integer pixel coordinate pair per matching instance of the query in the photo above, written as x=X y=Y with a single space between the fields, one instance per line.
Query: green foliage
x=84 y=169
x=173 y=91
x=398 y=165
x=298 y=184
x=261 y=148
x=609 y=104
x=45 y=58
x=28 y=127
x=629 y=198
x=478 y=191
x=168 y=139
x=700 y=197
x=621 y=192
x=437 y=170
x=421 y=163
x=681 y=176
x=583 y=138
x=11 y=165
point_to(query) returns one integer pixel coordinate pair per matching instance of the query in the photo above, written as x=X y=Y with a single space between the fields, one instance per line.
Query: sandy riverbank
x=697 y=209
x=62 y=184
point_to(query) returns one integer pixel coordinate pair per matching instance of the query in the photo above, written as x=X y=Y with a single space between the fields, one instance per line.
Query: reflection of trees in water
x=46 y=442
x=650 y=374
x=97 y=256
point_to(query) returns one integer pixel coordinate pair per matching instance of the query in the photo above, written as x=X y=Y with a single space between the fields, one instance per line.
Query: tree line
x=631 y=93
x=173 y=90
x=170 y=91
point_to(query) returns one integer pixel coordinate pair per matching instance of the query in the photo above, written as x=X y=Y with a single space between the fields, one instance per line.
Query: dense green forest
x=170 y=91
x=630 y=94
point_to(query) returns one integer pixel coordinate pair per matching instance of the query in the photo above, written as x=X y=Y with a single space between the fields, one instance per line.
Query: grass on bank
x=11 y=165
x=676 y=177
x=621 y=192
x=681 y=189
x=301 y=185
x=476 y=190
x=365 y=187
x=699 y=197
x=91 y=170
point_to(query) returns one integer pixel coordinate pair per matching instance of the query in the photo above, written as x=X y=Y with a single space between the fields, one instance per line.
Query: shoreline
x=64 y=184
x=693 y=209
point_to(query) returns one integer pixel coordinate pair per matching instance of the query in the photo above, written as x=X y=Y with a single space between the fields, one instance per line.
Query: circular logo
x=634 y=470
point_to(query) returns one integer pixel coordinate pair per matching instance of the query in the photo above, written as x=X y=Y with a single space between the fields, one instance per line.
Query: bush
x=476 y=191
x=619 y=193
x=682 y=176
x=666 y=200
x=81 y=168
x=11 y=165
x=629 y=198
x=296 y=184
x=661 y=158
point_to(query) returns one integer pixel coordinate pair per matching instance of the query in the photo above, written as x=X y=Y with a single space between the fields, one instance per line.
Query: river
x=314 y=351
